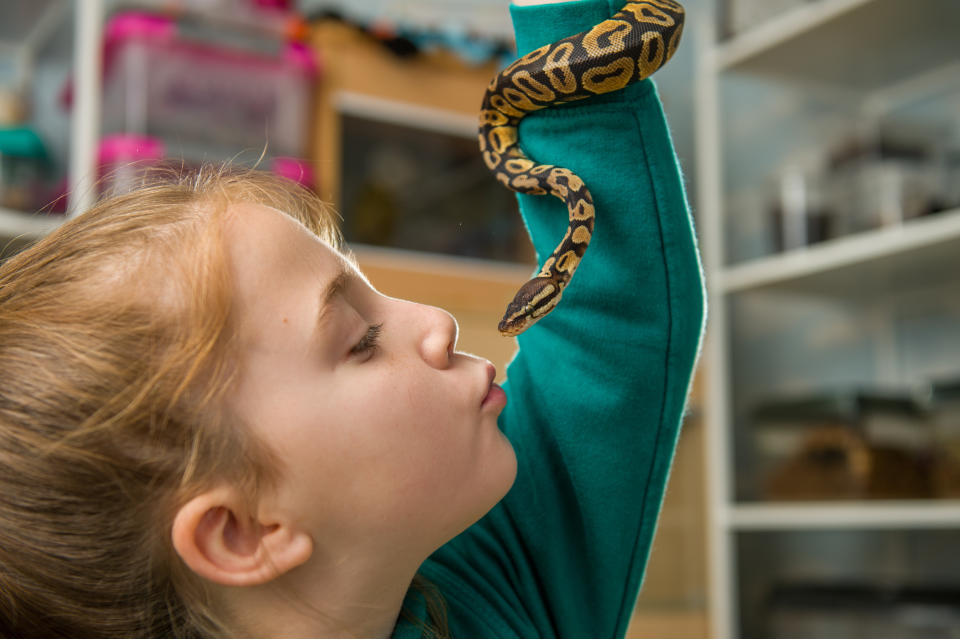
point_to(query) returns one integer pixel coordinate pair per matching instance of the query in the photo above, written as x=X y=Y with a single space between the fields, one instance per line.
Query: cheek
x=420 y=412
x=416 y=426
x=393 y=406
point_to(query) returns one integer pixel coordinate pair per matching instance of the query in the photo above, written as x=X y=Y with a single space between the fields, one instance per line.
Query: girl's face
x=386 y=432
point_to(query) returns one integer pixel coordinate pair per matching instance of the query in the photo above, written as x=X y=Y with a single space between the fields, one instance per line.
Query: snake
x=623 y=49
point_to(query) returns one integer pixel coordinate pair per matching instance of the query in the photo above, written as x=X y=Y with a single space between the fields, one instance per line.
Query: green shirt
x=597 y=391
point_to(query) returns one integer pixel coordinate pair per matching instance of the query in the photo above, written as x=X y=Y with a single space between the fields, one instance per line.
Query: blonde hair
x=115 y=355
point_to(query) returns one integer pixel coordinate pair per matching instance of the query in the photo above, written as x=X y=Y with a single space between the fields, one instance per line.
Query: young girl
x=212 y=426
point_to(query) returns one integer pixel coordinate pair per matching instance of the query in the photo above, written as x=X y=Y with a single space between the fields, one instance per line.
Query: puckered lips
x=495 y=395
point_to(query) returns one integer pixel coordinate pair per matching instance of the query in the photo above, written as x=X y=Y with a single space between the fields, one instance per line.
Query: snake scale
x=626 y=48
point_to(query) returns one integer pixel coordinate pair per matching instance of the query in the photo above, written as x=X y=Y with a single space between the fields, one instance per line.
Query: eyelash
x=370 y=341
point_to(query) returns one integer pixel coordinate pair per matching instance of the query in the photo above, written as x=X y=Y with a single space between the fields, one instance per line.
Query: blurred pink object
x=214 y=90
x=294 y=169
x=273 y=4
x=122 y=158
x=123 y=147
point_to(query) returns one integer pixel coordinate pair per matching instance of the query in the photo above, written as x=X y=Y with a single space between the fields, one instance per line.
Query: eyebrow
x=334 y=286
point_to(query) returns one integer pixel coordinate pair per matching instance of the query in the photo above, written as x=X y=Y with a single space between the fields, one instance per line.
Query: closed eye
x=370 y=341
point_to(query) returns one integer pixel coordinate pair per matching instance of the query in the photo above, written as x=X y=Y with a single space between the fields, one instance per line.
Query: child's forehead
x=262 y=221
x=263 y=229
x=259 y=214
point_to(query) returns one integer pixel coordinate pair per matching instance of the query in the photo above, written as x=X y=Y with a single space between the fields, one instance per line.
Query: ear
x=219 y=542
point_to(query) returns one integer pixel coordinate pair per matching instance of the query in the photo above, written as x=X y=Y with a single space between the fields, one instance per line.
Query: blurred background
x=816 y=487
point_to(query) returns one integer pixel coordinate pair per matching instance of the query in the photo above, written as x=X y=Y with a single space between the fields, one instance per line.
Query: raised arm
x=597 y=390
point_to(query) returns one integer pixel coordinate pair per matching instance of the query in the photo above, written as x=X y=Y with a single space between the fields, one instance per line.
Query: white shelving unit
x=15 y=224
x=860 y=264
x=84 y=120
x=875 y=515
x=871 y=52
x=864 y=45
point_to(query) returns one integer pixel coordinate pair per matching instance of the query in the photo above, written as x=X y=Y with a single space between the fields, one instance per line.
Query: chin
x=502 y=472
x=507 y=475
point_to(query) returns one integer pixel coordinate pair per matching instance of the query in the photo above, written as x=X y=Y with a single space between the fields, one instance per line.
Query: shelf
x=468 y=284
x=30 y=226
x=869 y=59
x=860 y=45
x=840 y=515
x=920 y=253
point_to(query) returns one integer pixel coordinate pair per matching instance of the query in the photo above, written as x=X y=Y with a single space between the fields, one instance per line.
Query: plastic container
x=881 y=183
x=949 y=188
x=12 y=108
x=800 y=215
x=946 y=433
x=862 y=610
x=294 y=169
x=122 y=158
x=845 y=445
x=24 y=169
x=212 y=91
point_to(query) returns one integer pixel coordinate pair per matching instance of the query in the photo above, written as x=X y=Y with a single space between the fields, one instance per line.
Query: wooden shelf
x=466 y=282
x=907 y=515
x=863 y=45
x=677 y=624
x=474 y=291
x=919 y=253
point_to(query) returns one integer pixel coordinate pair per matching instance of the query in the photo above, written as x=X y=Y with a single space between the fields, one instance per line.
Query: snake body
x=626 y=48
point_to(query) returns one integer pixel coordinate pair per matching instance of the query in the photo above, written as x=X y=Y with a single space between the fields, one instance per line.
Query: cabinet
x=830 y=281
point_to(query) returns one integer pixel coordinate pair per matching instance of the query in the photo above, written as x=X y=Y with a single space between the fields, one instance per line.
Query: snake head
x=535 y=299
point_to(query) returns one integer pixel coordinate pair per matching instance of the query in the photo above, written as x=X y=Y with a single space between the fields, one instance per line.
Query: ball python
x=626 y=48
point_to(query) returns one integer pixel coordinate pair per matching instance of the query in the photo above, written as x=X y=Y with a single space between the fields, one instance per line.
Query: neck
x=347 y=598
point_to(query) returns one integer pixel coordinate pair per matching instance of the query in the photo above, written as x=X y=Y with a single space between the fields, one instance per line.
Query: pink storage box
x=166 y=81
x=123 y=157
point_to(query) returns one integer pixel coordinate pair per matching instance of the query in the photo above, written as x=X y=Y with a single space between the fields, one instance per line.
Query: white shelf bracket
x=85 y=123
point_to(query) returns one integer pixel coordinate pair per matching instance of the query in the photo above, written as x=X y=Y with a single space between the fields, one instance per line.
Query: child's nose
x=439 y=336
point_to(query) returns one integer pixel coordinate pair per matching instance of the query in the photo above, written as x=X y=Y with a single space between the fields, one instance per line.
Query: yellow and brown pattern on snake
x=626 y=48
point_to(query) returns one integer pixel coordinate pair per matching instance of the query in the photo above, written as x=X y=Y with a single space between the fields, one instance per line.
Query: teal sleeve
x=598 y=388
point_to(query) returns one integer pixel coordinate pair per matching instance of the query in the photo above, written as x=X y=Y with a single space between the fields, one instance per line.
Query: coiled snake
x=635 y=42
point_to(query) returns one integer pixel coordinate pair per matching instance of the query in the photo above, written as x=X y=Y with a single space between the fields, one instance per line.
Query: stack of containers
x=206 y=88
x=846 y=444
x=946 y=410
